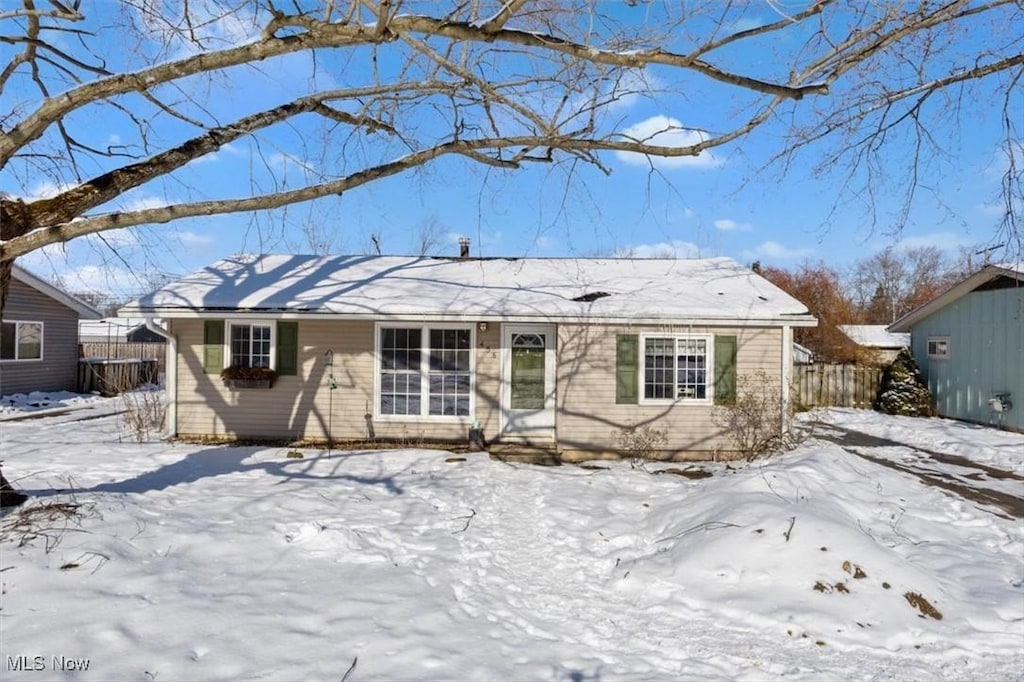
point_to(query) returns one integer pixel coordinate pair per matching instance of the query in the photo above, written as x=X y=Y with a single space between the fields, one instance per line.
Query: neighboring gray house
x=969 y=344
x=118 y=330
x=39 y=336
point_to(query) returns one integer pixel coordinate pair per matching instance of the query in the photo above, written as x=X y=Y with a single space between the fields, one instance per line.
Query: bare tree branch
x=499 y=83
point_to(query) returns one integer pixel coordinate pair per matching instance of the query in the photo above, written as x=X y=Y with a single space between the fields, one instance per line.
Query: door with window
x=528 y=381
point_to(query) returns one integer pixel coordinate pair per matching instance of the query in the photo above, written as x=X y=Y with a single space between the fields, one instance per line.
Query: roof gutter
x=777 y=320
x=152 y=326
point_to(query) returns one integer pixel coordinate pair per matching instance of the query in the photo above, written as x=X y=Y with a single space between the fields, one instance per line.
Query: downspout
x=170 y=376
x=787 y=375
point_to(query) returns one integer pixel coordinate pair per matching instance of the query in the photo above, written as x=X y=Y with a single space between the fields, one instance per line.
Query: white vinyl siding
x=589 y=419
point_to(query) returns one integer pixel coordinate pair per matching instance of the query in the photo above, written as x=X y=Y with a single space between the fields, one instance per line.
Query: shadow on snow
x=213 y=462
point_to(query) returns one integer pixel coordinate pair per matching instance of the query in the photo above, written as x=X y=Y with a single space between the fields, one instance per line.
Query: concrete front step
x=513 y=453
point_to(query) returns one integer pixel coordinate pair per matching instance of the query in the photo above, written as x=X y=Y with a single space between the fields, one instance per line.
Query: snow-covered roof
x=83 y=309
x=875 y=336
x=1014 y=271
x=375 y=287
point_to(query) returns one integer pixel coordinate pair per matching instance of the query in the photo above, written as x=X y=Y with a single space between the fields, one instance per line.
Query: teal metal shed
x=969 y=344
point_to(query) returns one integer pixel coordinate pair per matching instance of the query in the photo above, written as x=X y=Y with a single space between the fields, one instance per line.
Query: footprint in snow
x=304 y=532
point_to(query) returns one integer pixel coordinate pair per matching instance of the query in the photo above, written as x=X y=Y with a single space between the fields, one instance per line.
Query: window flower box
x=248 y=377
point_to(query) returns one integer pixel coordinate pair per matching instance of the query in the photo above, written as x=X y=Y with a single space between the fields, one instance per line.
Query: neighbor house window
x=425 y=371
x=938 y=347
x=21 y=340
x=250 y=345
x=676 y=367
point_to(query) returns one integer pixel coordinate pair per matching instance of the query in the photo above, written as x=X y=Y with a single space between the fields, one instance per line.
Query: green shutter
x=288 y=348
x=627 y=369
x=725 y=370
x=213 y=346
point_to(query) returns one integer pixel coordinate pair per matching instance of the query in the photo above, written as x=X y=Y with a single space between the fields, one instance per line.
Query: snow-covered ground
x=39 y=403
x=193 y=562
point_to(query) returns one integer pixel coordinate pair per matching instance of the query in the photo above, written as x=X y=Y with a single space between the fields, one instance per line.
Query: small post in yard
x=476 y=437
x=332 y=386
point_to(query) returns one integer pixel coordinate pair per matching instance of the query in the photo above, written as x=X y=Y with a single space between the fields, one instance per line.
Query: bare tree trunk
x=9 y=497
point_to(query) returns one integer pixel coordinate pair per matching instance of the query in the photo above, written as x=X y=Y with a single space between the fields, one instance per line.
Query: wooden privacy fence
x=111 y=377
x=120 y=350
x=829 y=385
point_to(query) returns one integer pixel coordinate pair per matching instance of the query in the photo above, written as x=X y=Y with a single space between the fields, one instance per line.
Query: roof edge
x=792 y=320
x=953 y=293
x=27 y=278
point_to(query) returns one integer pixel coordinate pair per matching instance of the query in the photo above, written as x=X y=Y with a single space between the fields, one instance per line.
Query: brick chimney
x=463 y=248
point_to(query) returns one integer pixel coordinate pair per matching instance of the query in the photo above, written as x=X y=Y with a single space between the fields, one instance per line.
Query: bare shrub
x=639 y=443
x=45 y=521
x=145 y=413
x=754 y=422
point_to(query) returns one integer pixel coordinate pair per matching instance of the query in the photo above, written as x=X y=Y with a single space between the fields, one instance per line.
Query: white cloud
x=193 y=239
x=45 y=190
x=113 y=280
x=667 y=132
x=999 y=162
x=727 y=225
x=634 y=84
x=141 y=203
x=44 y=259
x=210 y=22
x=213 y=157
x=125 y=238
x=775 y=251
x=944 y=241
x=745 y=24
x=286 y=162
x=673 y=249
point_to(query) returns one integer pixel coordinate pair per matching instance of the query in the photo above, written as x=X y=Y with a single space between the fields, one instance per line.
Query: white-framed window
x=250 y=344
x=424 y=371
x=938 y=347
x=676 y=367
x=21 y=340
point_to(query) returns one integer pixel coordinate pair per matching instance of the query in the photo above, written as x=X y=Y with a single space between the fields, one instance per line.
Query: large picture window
x=676 y=367
x=425 y=371
x=250 y=345
x=21 y=340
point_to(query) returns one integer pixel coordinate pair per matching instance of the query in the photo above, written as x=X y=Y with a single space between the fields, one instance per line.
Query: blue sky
x=723 y=203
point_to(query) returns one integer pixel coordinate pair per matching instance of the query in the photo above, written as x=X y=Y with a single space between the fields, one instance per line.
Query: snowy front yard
x=215 y=563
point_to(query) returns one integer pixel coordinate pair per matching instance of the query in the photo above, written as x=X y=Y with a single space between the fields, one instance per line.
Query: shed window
x=425 y=371
x=250 y=345
x=21 y=340
x=938 y=347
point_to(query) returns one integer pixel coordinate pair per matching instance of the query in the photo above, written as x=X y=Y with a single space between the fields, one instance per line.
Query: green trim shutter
x=627 y=369
x=288 y=348
x=213 y=346
x=725 y=370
